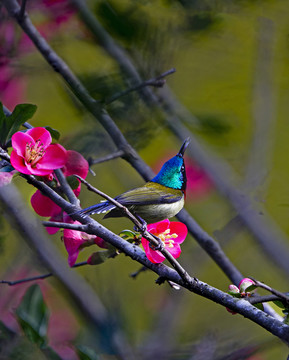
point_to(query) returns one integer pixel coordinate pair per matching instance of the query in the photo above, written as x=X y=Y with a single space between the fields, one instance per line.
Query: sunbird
x=159 y=199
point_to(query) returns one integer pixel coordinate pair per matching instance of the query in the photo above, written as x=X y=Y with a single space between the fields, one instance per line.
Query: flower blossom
x=75 y=241
x=44 y=206
x=33 y=153
x=172 y=234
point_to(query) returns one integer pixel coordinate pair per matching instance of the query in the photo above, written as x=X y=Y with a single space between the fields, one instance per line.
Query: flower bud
x=245 y=284
x=233 y=289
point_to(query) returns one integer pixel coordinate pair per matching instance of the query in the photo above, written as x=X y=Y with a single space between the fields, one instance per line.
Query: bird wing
x=149 y=194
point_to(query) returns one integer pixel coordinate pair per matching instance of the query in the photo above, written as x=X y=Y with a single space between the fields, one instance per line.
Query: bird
x=158 y=199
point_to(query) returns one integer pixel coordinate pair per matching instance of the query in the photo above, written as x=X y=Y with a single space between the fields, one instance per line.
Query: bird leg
x=160 y=245
x=143 y=227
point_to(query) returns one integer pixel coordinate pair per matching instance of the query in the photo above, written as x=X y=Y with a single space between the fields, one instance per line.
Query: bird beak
x=183 y=148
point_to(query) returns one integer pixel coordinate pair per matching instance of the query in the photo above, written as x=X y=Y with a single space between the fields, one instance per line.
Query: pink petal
x=159 y=227
x=72 y=241
x=154 y=256
x=58 y=217
x=19 y=142
x=75 y=164
x=54 y=158
x=51 y=230
x=175 y=250
x=18 y=163
x=43 y=205
x=180 y=229
x=100 y=242
x=36 y=171
x=40 y=133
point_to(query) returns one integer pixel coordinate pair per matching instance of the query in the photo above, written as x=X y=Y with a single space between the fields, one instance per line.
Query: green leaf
x=86 y=353
x=130 y=235
x=32 y=315
x=21 y=113
x=72 y=182
x=55 y=134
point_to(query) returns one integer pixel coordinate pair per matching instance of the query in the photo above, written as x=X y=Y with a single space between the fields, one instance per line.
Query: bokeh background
x=232 y=78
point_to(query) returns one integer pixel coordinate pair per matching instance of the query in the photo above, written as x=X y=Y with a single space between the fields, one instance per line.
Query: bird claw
x=143 y=226
x=160 y=245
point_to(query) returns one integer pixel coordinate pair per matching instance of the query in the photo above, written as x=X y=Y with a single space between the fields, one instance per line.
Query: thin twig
x=66 y=189
x=62 y=225
x=157 y=82
x=136 y=273
x=263 y=299
x=37 y=277
x=271 y=290
x=22 y=9
x=109 y=157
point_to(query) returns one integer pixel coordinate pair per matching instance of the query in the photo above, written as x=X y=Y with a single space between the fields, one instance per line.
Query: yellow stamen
x=167 y=238
x=33 y=153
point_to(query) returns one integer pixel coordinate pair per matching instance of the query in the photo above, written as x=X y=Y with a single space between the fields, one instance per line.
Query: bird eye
x=182 y=168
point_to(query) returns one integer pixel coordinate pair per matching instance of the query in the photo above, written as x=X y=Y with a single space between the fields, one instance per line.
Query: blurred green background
x=232 y=72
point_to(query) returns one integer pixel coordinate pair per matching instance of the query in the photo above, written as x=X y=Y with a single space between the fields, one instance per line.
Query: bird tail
x=100 y=208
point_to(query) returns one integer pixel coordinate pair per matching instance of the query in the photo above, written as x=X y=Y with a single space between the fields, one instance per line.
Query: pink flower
x=34 y=154
x=244 y=285
x=171 y=233
x=75 y=164
x=75 y=241
x=44 y=206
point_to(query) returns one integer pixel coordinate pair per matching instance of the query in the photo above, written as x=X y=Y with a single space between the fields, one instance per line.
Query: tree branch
x=66 y=189
x=37 y=277
x=281 y=295
x=109 y=157
x=156 y=81
x=24 y=223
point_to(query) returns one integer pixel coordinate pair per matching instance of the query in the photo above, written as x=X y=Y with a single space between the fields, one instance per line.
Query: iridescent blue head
x=173 y=172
